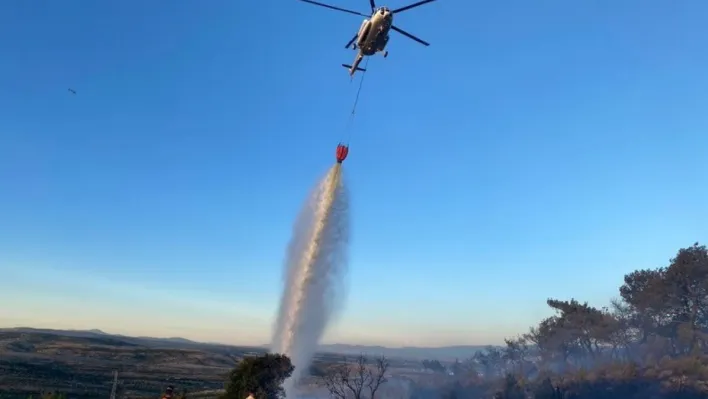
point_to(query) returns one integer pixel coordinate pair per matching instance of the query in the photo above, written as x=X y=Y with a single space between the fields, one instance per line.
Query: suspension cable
x=356 y=101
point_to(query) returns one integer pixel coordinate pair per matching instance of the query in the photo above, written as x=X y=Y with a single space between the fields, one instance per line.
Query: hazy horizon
x=61 y=302
x=49 y=328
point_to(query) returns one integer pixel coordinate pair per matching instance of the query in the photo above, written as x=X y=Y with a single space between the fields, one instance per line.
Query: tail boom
x=355 y=67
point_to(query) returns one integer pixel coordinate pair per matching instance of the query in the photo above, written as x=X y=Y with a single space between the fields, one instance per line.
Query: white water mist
x=315 y=265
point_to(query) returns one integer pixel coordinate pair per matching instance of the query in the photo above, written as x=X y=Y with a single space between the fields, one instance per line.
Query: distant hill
x=158 y=343
x=407 y=352
x=81 y=363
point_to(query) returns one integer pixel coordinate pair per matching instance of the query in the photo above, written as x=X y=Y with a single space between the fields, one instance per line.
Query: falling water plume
x=314 y=269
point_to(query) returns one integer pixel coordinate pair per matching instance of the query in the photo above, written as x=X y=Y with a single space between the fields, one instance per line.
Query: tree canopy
x=652 y=339
x=262 y=376
x=433 y=365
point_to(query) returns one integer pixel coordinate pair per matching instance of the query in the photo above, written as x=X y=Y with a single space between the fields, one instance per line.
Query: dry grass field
x=82 y=365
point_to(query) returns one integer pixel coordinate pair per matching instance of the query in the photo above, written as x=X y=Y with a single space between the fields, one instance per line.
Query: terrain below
x=82 y=363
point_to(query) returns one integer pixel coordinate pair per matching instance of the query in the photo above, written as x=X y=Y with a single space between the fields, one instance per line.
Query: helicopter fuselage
x=373 y=34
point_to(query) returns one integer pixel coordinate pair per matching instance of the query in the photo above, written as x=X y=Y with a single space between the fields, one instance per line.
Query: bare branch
x=378 y=377
x=349 y=380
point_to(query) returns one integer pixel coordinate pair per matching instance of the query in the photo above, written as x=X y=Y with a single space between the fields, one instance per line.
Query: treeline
x=651 y=342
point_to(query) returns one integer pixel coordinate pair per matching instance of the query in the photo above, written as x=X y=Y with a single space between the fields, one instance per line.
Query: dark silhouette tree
x=261 y=376
x=491 y=361
x=516 y=355
x=668 y=306
x=686 y=295
x=433 y=365
x=652 y=342
x=511 y=389
x=457 y=368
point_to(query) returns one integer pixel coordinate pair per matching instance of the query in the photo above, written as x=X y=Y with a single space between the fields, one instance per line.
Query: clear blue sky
x=536 y=149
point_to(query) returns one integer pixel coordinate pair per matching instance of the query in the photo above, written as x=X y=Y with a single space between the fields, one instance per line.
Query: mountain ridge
x=411 y=352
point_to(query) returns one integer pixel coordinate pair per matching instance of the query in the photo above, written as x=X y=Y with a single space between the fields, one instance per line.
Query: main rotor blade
x=408 y=7
x=351 y=41
x=335 y=8
x=373 y=6
x=404 y=33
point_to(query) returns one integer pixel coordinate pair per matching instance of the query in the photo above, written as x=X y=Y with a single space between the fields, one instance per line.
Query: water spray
x=315 y=265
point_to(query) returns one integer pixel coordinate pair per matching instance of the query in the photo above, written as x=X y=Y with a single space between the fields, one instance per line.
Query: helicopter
x=373 y=33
